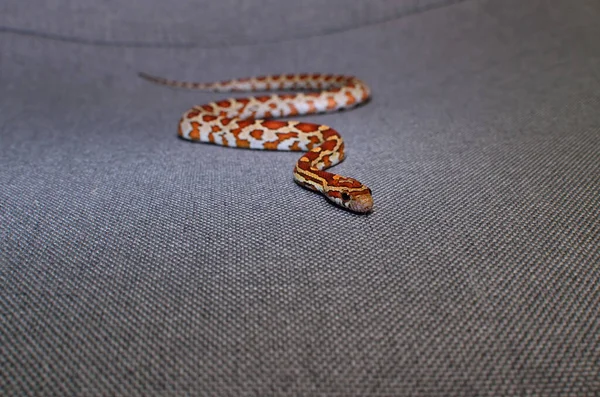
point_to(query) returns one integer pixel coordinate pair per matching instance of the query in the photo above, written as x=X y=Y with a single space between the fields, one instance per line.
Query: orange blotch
x=327 y=176
x=307 y=127
x=365 y=96
x=244 y=123
x=243 y=101
x=293 y=110
x=195 y=134
x=329 y=133
x=286 y=135
x=270 y=145
x=208 y=108
x=331 y=103
x=313 y=94
x=268 y=115
x=225 y=121
x=211 y=138
x=193 y=113
x=263 y=98
x=314 y=140
x=303 y=165
x=224 y=103
x=261 y=78
x=273 y=105
x=328 y=145
x=274 y=124
x=295 y=146
x=242 y=143
x=351 y=100
x=310 y=159
x=208 y=118
x=341 y=154
x=215 y=128
x=290 y=76
x=256 y=134
x=287 y=96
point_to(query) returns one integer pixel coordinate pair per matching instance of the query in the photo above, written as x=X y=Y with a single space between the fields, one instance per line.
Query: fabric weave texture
x=134 y=263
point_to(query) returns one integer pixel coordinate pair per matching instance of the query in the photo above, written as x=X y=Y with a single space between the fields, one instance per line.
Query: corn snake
x=246 y=123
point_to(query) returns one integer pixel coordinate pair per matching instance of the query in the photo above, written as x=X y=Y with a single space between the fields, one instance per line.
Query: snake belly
x=248 y=123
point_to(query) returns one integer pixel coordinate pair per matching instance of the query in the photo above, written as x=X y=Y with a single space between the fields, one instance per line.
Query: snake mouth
x=361 y=204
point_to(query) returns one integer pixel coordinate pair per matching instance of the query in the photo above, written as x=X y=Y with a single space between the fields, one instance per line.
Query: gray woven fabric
x=135 y=263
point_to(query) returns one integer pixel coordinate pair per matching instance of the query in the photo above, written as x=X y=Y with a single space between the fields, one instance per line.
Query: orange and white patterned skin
x=245 y=123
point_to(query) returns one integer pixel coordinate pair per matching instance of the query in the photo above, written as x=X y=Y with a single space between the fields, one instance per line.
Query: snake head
x=351 y=194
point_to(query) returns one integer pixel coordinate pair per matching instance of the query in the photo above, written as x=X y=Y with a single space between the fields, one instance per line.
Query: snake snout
x=362 y=203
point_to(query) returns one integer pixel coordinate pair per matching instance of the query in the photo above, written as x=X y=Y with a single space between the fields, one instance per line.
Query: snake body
x=247 y=123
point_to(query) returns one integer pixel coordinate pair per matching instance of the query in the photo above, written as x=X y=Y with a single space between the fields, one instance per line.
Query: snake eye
x=345 y=196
